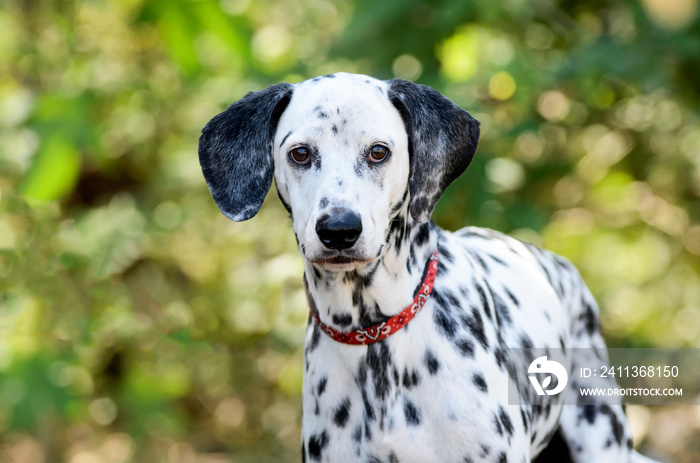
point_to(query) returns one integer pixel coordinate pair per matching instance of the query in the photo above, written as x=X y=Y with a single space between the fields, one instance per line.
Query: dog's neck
x=384 y=287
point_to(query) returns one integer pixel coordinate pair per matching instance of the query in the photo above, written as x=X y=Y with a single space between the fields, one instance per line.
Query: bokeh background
x=137 y=324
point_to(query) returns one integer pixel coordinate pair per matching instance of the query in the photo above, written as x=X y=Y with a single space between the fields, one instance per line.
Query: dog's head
x=347 y=152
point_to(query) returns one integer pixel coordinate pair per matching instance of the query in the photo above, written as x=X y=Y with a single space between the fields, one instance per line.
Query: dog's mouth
x=340 y=261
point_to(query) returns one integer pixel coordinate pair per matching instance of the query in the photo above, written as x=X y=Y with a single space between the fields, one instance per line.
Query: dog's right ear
x=235 y=151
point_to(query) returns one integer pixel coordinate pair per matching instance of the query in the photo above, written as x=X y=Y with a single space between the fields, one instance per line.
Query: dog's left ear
x=442 y=140
x=235 y=151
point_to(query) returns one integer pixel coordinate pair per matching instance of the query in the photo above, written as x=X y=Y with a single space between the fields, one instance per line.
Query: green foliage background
x=137 y=324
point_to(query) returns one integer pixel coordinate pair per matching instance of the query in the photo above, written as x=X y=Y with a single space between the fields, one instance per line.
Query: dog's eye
x=378 y=153
x=300 y=155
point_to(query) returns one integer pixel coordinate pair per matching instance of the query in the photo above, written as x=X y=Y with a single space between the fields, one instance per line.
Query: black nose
x=339 y=229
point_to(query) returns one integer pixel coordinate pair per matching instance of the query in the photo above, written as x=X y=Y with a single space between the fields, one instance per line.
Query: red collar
x=384 y=329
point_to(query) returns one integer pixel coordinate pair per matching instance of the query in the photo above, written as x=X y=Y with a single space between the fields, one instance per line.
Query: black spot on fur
x=588 y=412
x=397 y=206
x=484 y=450
x=480 y=382
x=475 y=325
x=317 y=443
x=315 y=160
x=357 y=434
x=342 y=413
x=501 y=357
x=410 y=379
x=334 y=129
x=323 y=203
x=498 y=425
x=412 y=263
x=589 y=319
x=431 y=362
x=442 y=267
x=315 y=337
x=342 y=319
x=502 y=310
x=482 y=263
x=546 y=272
x=445 y=323
x=618 y=428
x=357 y=299
x=368 y=431
x=378 y=361
x=359 y=168
x=369 y=409
x=523 y=416
x=465 y=347
x=446 y=254
x=321 y=388
x=512 y=297
x=411 y=413
x=452 y=300
x=423 y=235
x=505 y=421
x=484 y=302
x=396 y=231
x=502 y=458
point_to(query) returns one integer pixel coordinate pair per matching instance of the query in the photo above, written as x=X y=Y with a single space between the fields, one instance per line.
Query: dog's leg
x=597 y=430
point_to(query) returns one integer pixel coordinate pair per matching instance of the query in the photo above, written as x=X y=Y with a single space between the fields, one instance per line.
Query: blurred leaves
x=139 y=324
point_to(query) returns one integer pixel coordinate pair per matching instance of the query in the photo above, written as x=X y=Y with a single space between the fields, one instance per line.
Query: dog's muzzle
x=339 y=230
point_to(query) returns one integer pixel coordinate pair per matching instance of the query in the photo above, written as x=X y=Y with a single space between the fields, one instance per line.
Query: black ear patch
x=442 y=140
x=235 y=151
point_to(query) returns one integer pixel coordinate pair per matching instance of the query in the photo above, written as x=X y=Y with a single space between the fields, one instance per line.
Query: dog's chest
x=424 y=393
x=404 y=396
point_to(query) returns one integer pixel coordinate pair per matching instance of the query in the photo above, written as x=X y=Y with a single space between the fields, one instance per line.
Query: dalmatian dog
x=411 y=327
